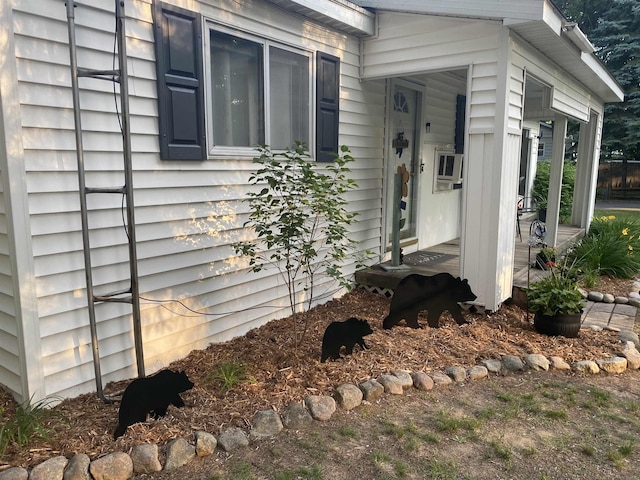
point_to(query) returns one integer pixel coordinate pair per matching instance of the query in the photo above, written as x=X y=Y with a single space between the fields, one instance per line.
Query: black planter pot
x=558 y=325
x=541 y=261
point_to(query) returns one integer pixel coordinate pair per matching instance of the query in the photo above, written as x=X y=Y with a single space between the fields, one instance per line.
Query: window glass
x=237 y=91
x=289 y=98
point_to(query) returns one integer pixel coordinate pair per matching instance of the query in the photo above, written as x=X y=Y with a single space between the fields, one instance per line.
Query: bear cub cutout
x=435 y=294
x=346 y=333
x=151 y=395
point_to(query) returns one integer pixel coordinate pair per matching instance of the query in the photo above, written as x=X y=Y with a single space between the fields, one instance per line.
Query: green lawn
x=630 y=214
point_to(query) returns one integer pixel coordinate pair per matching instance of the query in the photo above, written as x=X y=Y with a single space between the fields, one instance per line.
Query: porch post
x=555 y=178
x=586 y=173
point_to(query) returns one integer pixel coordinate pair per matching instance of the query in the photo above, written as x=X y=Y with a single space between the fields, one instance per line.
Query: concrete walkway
x=609 y=315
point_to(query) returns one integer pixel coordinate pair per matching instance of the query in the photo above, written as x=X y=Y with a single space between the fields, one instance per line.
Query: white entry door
x=403 y=153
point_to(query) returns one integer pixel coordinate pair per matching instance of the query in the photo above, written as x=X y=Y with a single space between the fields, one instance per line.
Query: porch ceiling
x=538 y=22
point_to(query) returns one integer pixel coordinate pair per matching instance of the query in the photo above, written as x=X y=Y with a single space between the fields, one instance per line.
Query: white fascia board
x=525 y=10
x=590 y=60
x=342 y=11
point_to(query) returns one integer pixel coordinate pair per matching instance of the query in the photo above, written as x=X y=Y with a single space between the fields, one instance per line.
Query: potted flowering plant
x=546 y=258
x=557 y=304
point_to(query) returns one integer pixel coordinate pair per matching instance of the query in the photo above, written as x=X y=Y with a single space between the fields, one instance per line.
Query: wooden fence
x=619 y=179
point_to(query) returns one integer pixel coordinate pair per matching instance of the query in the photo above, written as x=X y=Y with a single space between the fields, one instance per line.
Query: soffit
x=341 y=15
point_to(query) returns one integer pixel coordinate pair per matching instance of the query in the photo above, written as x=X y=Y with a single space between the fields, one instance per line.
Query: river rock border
x=300 y=415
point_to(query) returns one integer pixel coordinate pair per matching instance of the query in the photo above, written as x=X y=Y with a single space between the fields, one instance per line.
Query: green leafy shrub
x=611 y=247
x=540 y=189
x=301 y=222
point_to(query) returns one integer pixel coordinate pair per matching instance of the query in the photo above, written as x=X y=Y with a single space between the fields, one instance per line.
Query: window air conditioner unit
x=449 y=167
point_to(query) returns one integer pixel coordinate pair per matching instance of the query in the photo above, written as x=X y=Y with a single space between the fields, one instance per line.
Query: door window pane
x=237 y=91
x=289 y=98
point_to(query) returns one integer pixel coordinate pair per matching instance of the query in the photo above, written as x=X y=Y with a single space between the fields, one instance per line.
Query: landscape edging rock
x=585 y=367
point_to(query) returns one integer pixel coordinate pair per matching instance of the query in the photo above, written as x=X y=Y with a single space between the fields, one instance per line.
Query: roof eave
x=342 y=15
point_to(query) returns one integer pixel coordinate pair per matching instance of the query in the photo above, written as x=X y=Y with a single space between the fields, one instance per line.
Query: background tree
x=613 y=27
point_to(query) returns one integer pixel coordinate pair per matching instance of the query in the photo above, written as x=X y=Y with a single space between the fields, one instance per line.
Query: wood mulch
x=275 y=374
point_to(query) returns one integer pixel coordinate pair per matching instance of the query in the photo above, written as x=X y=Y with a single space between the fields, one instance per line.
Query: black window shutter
x=178 y=44
x=461 y=106
x=327 y=106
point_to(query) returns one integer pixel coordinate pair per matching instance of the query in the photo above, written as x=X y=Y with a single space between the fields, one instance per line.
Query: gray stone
x=145 y=458
x=635 y=300
x=493 y=365
x=477 y=372
x=78 y=468
x=205 y=443
x=422 y=381
x=632 y=355
x=536 y=361
x=348 y=396
x=296 y=416
x=391 y=384
x=440 y=378
x=608 y=298
x=321 y=407
x=232 y=439
x=634 y=296
x=613 y=364
x=457 y=373
x=628 y=336
x=266 y=424
x=405 y=378
x=512 y=363
x=15 y=473
x=558 y=363
x=113 y=466
x=621 y=300
x=371 y=390
x=179 y=453
x=586 y=366
x=595 y=296
x=51 y=469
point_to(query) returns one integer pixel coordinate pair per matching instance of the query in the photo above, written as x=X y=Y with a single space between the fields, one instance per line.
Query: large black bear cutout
x=151 y=395
x=435 y=294
x=346 y=333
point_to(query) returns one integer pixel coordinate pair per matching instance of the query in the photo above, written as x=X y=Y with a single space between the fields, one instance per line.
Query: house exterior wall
x=568 y=96
x=187 y=213
x=439 y=209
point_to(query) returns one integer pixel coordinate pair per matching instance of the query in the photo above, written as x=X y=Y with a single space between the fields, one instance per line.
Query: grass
x=625 y=214
x=228 y=374
x=27 y=424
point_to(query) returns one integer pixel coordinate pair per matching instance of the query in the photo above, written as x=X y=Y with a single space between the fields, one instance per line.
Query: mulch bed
x=276 y=374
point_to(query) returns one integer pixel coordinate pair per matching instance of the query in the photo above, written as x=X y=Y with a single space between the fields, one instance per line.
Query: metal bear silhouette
x=347 y=333
x=151 y=395
x=435 y=294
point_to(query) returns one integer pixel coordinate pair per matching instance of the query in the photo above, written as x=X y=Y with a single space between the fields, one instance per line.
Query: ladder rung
x=113 y=296
x=111 y=75
x=105 y=189
x=106 y=298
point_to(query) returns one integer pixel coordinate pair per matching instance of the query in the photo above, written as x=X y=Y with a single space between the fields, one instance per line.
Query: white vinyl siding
x=408 y=44
x=568 y=96
x=187 y=213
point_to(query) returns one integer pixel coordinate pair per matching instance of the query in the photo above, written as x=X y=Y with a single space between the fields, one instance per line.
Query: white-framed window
x=257 y=92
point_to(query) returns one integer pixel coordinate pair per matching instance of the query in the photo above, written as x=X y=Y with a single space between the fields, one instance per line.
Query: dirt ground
x=268 y=373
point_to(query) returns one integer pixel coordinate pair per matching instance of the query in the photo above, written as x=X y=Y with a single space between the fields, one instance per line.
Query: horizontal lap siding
x=409 y=44
x=187 y=213
x=568 y=95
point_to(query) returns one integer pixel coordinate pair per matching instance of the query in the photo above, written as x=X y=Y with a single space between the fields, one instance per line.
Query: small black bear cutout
x=346 y=333
x=435 y=294
x=151 y=395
